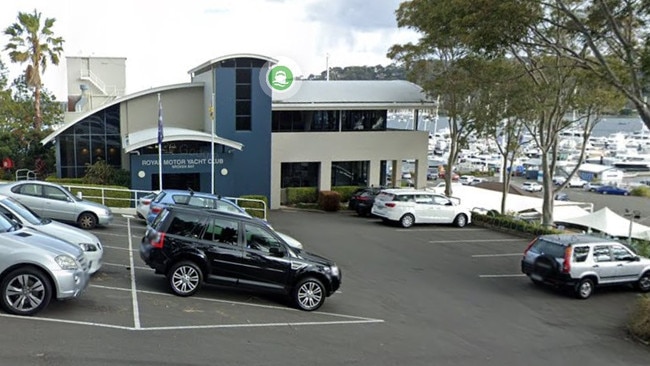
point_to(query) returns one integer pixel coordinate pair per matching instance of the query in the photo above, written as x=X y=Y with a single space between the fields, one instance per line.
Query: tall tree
x=33 y=42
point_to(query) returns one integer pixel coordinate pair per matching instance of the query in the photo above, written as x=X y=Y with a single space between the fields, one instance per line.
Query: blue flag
x=160 y=122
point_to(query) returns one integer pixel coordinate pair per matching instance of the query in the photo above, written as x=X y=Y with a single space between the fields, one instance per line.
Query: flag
x=160 y=121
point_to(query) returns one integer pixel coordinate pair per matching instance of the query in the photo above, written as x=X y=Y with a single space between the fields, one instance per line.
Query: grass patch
x=639 y=321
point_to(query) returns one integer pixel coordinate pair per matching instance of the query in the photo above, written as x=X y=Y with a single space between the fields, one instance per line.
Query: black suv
x=362 y=200
x=191 y=246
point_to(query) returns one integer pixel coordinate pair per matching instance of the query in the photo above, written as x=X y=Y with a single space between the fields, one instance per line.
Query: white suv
x=582 y=262
x=531 y=187
x=409 y=207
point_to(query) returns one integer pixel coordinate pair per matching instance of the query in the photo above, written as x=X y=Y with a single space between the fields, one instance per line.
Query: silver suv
x=36 y=267
x=582 y=262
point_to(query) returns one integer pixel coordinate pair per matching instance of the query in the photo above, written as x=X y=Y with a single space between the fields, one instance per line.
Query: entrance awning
x=139 y=139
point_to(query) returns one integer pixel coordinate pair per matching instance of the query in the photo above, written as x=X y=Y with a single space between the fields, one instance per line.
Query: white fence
x=135 y=195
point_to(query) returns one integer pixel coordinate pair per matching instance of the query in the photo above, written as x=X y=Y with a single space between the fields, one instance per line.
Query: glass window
x=243 y=123
x=222 y=231
x=580 y=254
x=442 y=201
x=621 y=253
x=299 y=174
x=350 y=173
x=185 y=224
x=54 y=193
x=29 y=189
x=259 y=239
x=545 y=247
x=243 y=76
x=602 y=253
x=243 y=91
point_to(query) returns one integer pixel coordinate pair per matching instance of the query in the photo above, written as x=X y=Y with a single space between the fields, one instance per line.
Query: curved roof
x=390 y=94
x=228 y=57
x=82 y=116
x=142 y=138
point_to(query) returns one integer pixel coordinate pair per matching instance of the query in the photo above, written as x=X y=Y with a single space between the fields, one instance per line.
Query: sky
x=162 y=40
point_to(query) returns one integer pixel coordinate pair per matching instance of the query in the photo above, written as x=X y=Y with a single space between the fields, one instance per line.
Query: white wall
x=326 y=147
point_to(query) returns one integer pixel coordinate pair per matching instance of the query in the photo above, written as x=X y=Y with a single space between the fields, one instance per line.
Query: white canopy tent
x=486 y=199
x=609 y=222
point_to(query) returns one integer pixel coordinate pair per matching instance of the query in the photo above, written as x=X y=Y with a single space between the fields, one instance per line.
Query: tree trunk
x=547 y=191
x=38 y=118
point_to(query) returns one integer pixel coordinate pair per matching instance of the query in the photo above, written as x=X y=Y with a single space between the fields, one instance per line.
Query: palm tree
x=35 y=45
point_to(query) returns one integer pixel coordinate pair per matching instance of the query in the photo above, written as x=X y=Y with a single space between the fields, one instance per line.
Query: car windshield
x=7 y=225
x=24 y=212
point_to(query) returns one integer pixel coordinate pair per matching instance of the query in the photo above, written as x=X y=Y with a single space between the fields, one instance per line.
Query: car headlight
x=88 y=247
x=66 y=262
x=335 y=270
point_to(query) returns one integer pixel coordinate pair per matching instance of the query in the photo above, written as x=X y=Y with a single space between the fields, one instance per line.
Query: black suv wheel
x=309 y=294
x=185 y=278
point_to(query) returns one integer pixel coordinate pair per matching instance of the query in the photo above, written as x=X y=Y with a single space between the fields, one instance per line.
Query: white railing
x=135 y=195
x=89 y=75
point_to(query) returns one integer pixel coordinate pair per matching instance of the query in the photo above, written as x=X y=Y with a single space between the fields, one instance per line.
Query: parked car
x=592 y=186
x=87 y=241
x=466 y=179
x=183 y=243
x=362 y=199
x=142 y=208
x=582 y=262
x=558 y=181
x=531 y=187
x=168 y=197
x=36 y=267
x=561 y=196
x=576 y=182
x=612 y=190
x=409 y=207
x=53 y=201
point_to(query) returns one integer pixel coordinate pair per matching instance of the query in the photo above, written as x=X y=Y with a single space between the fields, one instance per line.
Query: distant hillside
x=379 y=72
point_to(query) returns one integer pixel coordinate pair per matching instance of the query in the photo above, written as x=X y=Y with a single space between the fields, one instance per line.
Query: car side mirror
x=636 y=258
x=277 y=252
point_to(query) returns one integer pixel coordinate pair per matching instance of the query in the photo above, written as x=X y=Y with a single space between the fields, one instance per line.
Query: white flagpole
x=212 y=126
x=160 y=138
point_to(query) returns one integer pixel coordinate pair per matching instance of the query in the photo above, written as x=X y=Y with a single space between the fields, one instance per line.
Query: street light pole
x=635 y=214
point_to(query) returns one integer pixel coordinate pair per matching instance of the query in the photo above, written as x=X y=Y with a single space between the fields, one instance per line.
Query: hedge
x=246 y=205
x=302 y=195
x=639 y=321
x=93 y=192
x=641 y=191
x=508 y=222
x=329 y=201
x=345 y=191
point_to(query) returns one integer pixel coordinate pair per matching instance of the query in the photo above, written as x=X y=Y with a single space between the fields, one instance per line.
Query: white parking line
x=118 y=248
x=436 y=229
x=497 y=255
x=120 y=235
x=502 y=275
x=126 y=266
x=134 y=290
x=457 y=241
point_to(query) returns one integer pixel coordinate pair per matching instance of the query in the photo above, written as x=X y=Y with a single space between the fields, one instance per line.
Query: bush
x=329 y=201
x=72 y=181
x=345 y=191
x=639 y=321
x=302 y=195
x=641 y=191
x=92 y=192
x=507 y=222
x=255 y=209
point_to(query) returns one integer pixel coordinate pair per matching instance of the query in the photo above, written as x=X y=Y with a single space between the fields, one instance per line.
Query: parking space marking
x=497 y=255
x=502 y=275
x=441 y=229
x=474 y=241
x=120 y=248
x=134 y=292
x=120 y=235
x=75 y=322
x=127 y=266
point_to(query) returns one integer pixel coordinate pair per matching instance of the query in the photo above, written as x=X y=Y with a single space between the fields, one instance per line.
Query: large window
x=95 y=138
x=350 y=173
x=243 y=99
x=363 y=120
x=299 y=174
x=300 y=121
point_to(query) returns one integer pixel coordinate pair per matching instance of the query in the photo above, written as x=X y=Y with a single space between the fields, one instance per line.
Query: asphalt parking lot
x=429 y=295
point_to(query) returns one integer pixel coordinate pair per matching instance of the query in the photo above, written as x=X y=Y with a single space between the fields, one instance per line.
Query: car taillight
x=156 y=210
x=158 y=240
x=362 y=198
x=566 y=267
x=530 y=245
x=390 y=204
x=146 y=202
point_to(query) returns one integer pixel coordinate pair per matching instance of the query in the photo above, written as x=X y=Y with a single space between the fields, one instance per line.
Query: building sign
x=178 y=163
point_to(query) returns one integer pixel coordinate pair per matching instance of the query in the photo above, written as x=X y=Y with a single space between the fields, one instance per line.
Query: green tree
x=33 y=42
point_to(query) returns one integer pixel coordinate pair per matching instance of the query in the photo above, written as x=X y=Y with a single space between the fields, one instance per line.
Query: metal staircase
x=88 y=75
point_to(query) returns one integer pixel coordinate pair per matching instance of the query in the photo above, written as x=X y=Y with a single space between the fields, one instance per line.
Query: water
x=606 y=127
